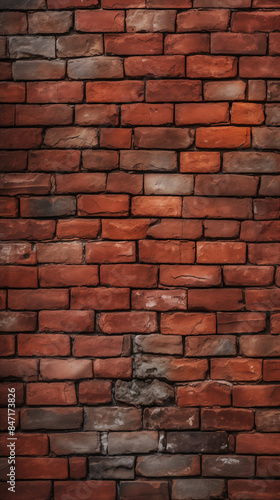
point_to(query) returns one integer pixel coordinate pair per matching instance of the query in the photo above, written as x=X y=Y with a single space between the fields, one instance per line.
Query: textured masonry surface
x=140 y=299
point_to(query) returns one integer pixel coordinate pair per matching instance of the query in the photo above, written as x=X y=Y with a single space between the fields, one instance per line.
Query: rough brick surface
x=140 y=248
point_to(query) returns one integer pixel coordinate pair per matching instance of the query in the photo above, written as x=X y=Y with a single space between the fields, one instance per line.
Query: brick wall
x=140 y=224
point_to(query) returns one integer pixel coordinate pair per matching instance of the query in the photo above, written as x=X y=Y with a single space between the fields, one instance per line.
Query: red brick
x=268 y=466
x=71 y=137
x=38 y=299
x=78 y=467
x=199 y=66
x=221 y=229
x=20 y=138
x=85 y=182
x=26 y=370
x=199 y=20
x=173 y=91
x=70 y=4
x=247 y=113
x=159 y=138
x=215 y=299
x=42 y=468
x=176 y=228
x=66 y=321
x=13 y=161
x=150 y=20
x=39 y=70
x=64 y=253
x=221 y=252
x=77 y=45
x=97 y=114
x=60 y=275
x=3 y=299
x=188 y=114
x=100 y=298
x=271 y=370
x=134 y=44
x=103 y=204
x=226 y=185
x=77 y=228
x=138 y=489
x=231 y=419
x=275 y=323
x=171 y=418
x=242 y=322
x=224 y=91
x=115 y=229
x=17 y=321
x=190 y=276
x=125 y=91
x=13 y=23
x=166 y=251
x=188 y=323
x=26 y=229
x=250 y=22
x=55 y=393
x=27 y=489
x=39 y=344
x=100 y=160
x=258 y=443
x=99 y=21
x=159 y=300
x=206 y=393
x=196 y=162
x=7 y=114
x=195 y=207
x=12 y=92
x=100 y=490
x=238 y=43
x=147 y=114
x=223 y=137
x=53 y=114
x=190 y=43
x=168 y=4
x=210 y=345
x=27 y=444
x=123 y=4
x=18 y=277
x=256 y=90
x=238 y=369
x=128 y=322
x=72 y=369
x=274 y=39
x=262 y=300
x=54 y=160
x=106 y=252
x=259 y=67
x=236 y=4
x=120 y=368
x=248 y=276
x=156 y=206
x=158 y=344
x=260 y=345
x=22 y=183
x=116 y=138
x=260 y=231
x=269 y=489
x=49 y=22
x=5 y=71
x=155 y=66
x=54 y=92
x=94 y=392
x=132 y=275
x=99 y=347
x=119 y=182
x=8 y=206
